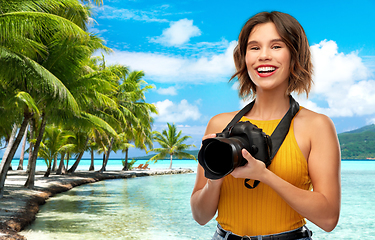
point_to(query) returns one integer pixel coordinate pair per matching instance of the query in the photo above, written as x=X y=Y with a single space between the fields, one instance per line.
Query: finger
x=209 y=136
x=246 y=154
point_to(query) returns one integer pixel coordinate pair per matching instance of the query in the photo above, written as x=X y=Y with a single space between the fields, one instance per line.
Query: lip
x=265 y=74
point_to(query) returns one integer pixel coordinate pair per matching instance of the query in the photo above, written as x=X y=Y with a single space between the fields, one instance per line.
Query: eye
x=276 y=47
x=253 y=48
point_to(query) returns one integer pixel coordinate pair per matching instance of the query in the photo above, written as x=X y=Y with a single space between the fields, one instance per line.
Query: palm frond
x=181 y=155
x=26 y=99
x=18 y=28
x=157 y=157
x=16 y=68
x=99 y=123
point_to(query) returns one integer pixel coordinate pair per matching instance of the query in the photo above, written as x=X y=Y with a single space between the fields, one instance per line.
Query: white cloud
x=173 y=68
x=167 y=91
x=343 y=81
x=107 y=12
x=333 y=68
x=178 y=33
x=97 y=30
x=370 y=121
x=176 y=112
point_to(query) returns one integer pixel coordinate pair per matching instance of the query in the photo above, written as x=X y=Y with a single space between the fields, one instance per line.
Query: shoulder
x=316 y=136
x=314 y=129
x=219 y=122
x=312 y=120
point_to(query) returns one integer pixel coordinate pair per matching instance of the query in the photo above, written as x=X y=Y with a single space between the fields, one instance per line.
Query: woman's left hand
x=253 y=169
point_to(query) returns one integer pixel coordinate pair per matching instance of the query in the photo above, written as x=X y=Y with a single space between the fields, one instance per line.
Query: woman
x=273 y=60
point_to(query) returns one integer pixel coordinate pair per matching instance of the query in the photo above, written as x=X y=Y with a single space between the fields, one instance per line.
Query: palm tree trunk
x=61 y=170
x=10 y=143
x=31 y=178
x=92 y=168
x=102 y=169
x=126 y=168
x=48 y=172
x=75 y=165
x=106 y=156
x=54 y=163
x=5 y=163
x=170 y=165
x=20 y=164
x=31 y=147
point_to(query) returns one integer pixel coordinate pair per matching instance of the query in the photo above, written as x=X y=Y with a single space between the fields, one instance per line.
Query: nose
x=264 y=54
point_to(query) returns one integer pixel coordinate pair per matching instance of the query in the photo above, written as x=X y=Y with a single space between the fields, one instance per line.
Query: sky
x=185 y=49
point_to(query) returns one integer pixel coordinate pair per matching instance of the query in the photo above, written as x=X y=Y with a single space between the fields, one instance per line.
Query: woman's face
x=267 y=58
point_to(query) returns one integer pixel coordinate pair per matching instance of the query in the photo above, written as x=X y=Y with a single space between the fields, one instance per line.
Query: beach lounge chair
x=145 y=167
x=139 y=167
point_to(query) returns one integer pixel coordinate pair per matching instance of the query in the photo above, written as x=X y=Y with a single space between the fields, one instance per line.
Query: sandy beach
x=19 y=206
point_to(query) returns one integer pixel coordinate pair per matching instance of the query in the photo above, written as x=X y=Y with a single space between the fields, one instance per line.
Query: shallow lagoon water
x=158 y=208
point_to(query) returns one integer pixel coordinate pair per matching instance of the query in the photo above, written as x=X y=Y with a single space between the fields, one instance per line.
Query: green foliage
x=358 y=144
x=130 y=164
x=171 y=143
x=48 y=72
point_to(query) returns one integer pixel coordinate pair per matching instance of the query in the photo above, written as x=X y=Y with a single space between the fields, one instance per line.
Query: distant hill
x=355 y=144
x=358 y=144
x=367 y=128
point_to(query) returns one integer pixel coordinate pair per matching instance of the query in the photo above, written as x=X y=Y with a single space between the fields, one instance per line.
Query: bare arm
x=322 y=205
x=205 y=198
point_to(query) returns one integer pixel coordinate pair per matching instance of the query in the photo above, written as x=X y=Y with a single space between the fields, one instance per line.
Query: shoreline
x=19 y=205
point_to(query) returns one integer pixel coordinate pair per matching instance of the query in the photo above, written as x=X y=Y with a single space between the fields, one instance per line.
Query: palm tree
x=80 y=146
x=26 y=102
x=99 y=102
x=171 y=143
x=25 y=28
x=131 y=97
x=54 y=142
x=67 y=60
x=124 y=109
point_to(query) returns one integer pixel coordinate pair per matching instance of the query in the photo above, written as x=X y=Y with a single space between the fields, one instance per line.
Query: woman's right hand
x=205 y=197
x=214 y=182
x=206 y=193
x=212 y=135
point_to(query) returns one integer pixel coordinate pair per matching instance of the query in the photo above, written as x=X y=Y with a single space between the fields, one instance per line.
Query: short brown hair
x=292 y=33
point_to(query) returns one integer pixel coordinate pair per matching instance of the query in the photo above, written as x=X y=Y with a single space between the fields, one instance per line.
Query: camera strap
x=278 y=135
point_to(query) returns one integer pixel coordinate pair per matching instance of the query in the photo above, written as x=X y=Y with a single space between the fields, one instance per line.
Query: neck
x=269 y=107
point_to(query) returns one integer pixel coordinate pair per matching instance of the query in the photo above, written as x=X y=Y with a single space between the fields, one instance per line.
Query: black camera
x=219 y=156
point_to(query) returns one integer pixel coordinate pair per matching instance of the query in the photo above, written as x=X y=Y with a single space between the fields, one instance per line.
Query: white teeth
x=266 y=69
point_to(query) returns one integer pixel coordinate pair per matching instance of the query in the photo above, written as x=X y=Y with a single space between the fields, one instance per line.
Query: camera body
x=219 y=156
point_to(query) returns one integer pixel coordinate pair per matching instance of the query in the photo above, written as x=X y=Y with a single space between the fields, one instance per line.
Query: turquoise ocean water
x=158 y=208
x=113 y=164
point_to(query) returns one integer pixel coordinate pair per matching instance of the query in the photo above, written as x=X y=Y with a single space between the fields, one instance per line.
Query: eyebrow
x=272 y=41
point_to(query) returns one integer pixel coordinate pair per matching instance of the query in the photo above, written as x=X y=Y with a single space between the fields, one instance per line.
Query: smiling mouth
x=266 y=69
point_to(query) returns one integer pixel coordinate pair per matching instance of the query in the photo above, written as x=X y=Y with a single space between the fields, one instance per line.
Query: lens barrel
x=220 y=156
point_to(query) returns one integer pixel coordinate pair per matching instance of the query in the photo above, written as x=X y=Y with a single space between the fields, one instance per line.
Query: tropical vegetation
x=172 y=144
x=61 y=98
x=358 y=144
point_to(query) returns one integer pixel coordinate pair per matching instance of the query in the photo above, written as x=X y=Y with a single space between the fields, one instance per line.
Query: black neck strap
x=278 y=136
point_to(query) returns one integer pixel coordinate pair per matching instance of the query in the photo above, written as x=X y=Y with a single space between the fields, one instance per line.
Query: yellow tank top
x=261 y=211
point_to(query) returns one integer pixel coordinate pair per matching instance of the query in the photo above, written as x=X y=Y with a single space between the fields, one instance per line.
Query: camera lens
x=217 y=157
x=223 y=155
